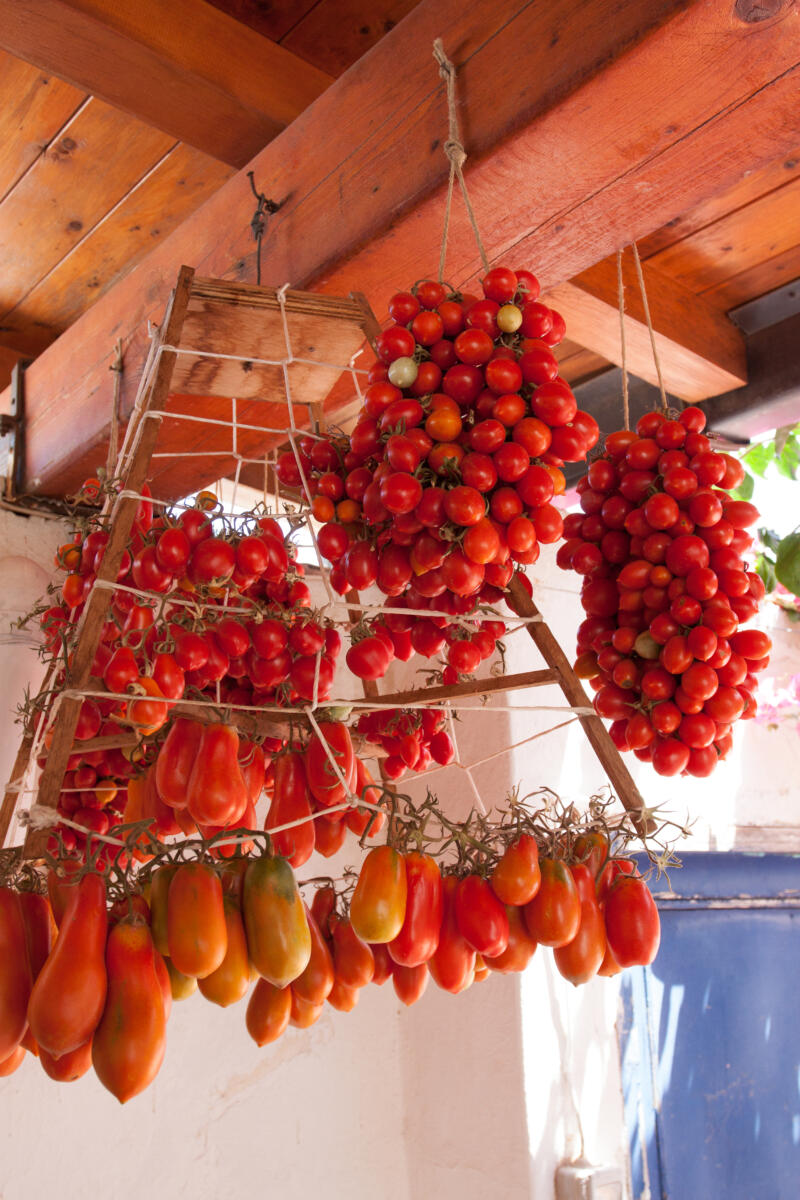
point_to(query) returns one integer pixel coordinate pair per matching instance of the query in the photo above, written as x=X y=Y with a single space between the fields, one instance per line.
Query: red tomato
x=418 y=939
x=516 y=877
x=481 y=917
x=553 y=915
x=453 y=964
x=632 y=923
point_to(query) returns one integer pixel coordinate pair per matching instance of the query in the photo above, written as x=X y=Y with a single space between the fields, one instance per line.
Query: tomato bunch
x=412 y=738
x=660 y=544
x=447 y=480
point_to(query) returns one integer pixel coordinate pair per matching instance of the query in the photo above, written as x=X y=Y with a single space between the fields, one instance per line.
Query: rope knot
x=455 y=152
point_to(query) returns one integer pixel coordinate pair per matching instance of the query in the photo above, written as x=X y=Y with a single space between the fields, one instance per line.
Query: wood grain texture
x=271 y=18
x=150 y=211
x=64 y=194
x=576 y=363
x=336 y=33
x=701 y=353
x=736 y=243
x=364 y=211
x=184 y=67
x=763 y=277
x=33 y=108
x=752 y=186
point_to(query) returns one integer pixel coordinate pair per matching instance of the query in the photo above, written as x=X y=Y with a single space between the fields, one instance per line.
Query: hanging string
x=646 y=308
x=456 y=156
x=113 y=436
x=626 y=416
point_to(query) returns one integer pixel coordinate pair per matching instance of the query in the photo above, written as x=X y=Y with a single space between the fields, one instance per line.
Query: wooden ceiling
x=666 y=121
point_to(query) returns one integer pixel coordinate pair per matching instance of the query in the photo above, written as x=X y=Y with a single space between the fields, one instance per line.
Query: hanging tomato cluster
x=412 y=738
x=447 y=480
x=660 y=544
x=229 y=622
x=89 y=980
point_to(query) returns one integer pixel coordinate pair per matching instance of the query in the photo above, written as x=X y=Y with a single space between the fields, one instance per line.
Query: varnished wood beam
x=184 y=67
x=588 y=126
x=700 y=351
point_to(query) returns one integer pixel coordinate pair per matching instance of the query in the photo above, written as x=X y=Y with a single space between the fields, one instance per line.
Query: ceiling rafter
x=184 y=67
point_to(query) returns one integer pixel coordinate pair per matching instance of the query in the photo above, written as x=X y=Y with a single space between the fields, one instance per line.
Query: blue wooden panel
x=711 y=1039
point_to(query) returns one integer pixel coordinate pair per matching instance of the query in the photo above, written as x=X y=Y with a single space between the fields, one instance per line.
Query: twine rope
x=650 y=330
x=113 y=434
x=456 y=156
x=626 y=416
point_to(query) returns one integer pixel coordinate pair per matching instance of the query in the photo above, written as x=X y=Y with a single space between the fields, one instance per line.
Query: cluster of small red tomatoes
x=447 y=480
x=253 y=637
x=660 y=546
x=81 y=986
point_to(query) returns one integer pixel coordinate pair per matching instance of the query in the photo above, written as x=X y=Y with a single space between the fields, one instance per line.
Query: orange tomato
x=303 y=1013
x=378 y=906
x=521 y=946
x=197 y=936
x=68 y=1067
x=317 y=979
x=12 y=1062
x=181 y=986
x=231 y=979
x=278 y=936
x=516 y=878
x=343 y=998
x=348 y=511
x=129 y=1043
x=69 y=994
x=15 y=974
x=583 y=956
x=268 y=1012
x=323 y=509
x=558 y=478
x=147 y=714
x=353 y=961
x=554 y=913
x=159 y=891
x=410 y=982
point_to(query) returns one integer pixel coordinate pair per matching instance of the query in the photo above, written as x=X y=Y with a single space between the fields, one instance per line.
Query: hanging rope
x=113 y=436
x=456 y=156
x=626 y=416
x=646 y=308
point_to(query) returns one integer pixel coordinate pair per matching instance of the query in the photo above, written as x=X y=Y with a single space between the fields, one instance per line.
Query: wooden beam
x=183 y=67
x=361 y=174
x=700 y=351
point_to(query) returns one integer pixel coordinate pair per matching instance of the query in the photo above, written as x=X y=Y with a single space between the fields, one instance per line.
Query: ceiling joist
x=701 y=353
x=564 y=168
x=184 y=67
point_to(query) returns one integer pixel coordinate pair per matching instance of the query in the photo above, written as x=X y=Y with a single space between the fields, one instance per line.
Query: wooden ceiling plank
x=701 y=352
x=752 y=186
x=272 y=20
x=155 y=206
x=736 y=243
x=67 y=191
x=184 y=67
x=336 y=33
x=33 y=108
x=369 y=199
x=757 y=281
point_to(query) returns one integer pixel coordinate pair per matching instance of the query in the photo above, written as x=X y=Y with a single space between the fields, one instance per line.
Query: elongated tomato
x=410 y=982
x=69 y=995
x=15 y=974
x=521 y=946
x=175 y=761
x=159 y=891
x=268 y=1012
x=68 y=1067
x=13 y=1061
x=291 y=801
x=304 y=1014
x=316 y=980
x=40 y=929
x=453 y=964
x=417 y=940
x=353 y=960
x=481 y=917
x=378 y=906
x=217 y=792
x=197 y=936
x=230 y=981
x=129 y=1043
x=278 y=936
x=554 y=913
x=323 y=780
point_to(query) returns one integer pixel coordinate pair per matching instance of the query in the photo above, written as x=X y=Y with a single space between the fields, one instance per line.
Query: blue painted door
x=711 y=1035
